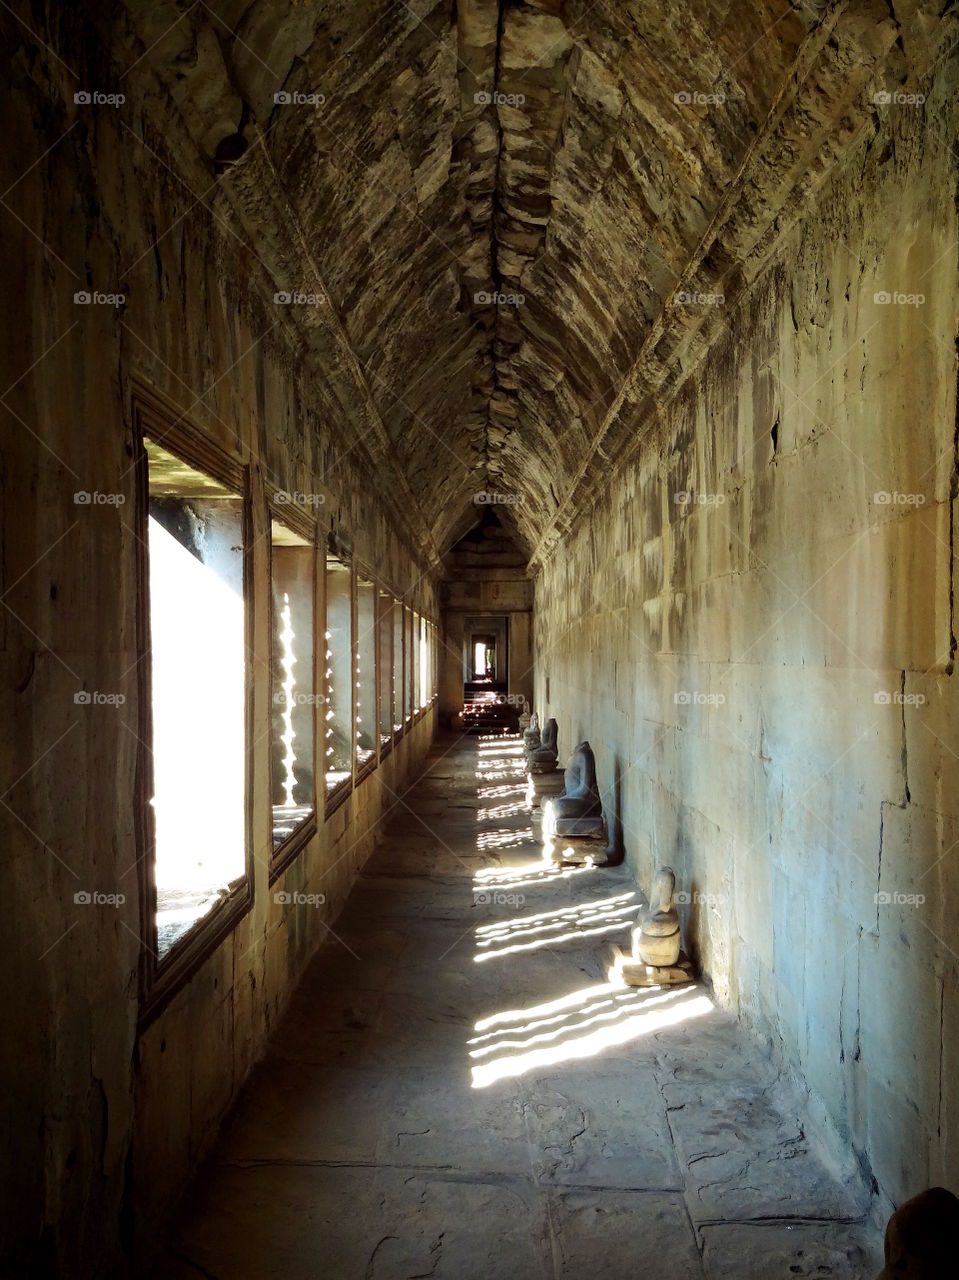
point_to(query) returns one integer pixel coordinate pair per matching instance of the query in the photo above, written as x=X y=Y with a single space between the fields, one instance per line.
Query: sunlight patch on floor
x=502 y=838
x=553 y=939
x=606 y=996
x=583 y=1033
x=497 y=812
x=528 y=933
x=502 y=792
x=582 y=1024
x=535 y=873
x=546 y=1030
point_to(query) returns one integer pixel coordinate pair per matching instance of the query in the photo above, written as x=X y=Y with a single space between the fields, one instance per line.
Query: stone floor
x=457 y=1091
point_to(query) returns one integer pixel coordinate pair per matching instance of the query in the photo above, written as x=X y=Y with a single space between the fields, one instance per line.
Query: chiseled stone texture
x=754 y=628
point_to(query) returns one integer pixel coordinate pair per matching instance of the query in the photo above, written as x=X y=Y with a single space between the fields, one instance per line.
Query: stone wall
x=754 y=628
x=102 y=1125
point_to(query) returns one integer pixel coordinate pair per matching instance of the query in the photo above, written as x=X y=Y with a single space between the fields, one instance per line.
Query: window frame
x=417 y=662
x=362 y=768
x=299 y=523
x=384 y=679
x=335 y=798
x=423 y=657
x=434 y=661
x=159 y=979
x=412 y=669
x=399 y=668
x=409 y=655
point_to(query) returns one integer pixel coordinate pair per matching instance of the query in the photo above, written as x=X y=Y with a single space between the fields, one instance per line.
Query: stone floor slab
x=603 y=1127
x=791 y=1249
x=621 y=1235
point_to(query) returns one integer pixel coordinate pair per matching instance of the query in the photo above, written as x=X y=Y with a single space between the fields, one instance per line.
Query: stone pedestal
x=573 y=839
x=626 y=968
x=585 y=845
x=591 y=828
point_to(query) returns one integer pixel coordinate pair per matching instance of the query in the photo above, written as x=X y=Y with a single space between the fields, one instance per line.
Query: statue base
x=579 y=828
x=574 y=850
x=634 y=973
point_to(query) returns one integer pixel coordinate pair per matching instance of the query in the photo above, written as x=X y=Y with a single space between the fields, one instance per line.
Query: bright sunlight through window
x=198 y=694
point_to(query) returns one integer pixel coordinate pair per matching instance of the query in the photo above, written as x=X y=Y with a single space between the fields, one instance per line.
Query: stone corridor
x=456 y=1090
x=374 y=371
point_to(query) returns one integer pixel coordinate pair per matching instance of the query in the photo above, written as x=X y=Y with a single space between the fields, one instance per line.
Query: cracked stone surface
x=602 y=1140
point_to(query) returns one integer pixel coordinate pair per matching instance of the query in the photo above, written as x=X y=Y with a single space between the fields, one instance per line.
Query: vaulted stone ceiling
x=586 y=164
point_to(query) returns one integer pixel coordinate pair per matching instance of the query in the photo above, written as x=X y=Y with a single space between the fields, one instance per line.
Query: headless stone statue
x=577 y=813
x=542 y=758
x=656 y=935
x=580 y=797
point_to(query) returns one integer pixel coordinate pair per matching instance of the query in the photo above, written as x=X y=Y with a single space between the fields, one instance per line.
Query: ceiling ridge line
x=495 y=273
x=503 y=394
